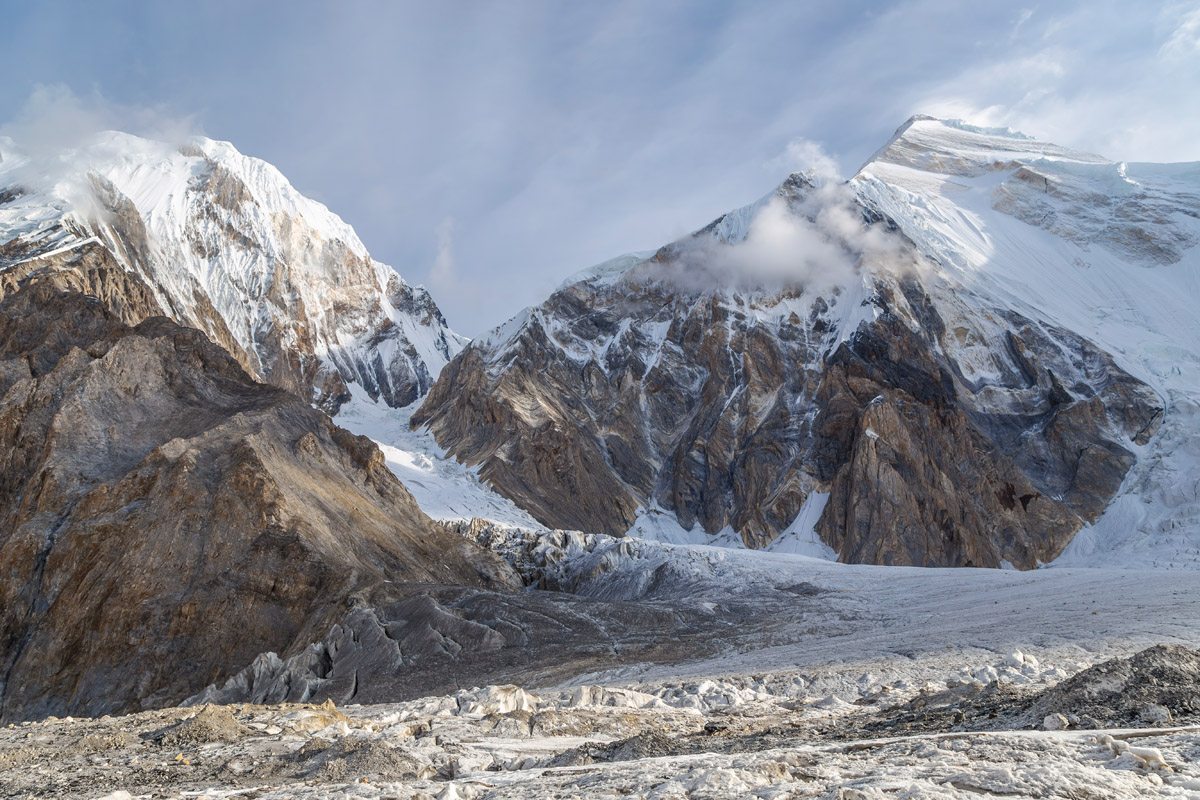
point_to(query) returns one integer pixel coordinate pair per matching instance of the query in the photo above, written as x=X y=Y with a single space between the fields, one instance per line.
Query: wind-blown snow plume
x=805 y=155
x=50 y=144
x=442 y=276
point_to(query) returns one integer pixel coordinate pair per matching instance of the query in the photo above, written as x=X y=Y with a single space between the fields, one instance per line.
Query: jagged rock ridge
x=920 y=416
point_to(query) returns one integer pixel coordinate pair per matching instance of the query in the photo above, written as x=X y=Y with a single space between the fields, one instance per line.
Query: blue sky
x=488 y=150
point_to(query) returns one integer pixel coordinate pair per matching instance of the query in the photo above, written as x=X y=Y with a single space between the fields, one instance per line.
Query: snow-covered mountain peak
x=154 y=174
x=607 y=271
x=1016 y=266
x=226 y=244
x=1144 y=213
x=806 y=248
x=273 y=191
x=825 y=236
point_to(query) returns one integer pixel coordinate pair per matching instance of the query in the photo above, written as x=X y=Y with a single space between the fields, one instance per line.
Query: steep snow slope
x=1106 y=249
x=229 y=246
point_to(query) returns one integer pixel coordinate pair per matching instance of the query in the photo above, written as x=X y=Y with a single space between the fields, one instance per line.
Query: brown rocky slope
x=164 y=518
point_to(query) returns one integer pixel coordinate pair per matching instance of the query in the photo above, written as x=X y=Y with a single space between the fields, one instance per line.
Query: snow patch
x=654 y=524
x=443 y=488
x=800 y=538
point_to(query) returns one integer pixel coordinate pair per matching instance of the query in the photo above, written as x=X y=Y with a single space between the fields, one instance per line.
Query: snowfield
x=445 y=489
x=1105 y=249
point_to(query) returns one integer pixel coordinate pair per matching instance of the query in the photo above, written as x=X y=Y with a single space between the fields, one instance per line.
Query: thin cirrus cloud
x=556 y=135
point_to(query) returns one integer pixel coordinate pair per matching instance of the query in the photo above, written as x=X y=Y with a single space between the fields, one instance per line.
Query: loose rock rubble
x=877 y=734
x=1158 y=686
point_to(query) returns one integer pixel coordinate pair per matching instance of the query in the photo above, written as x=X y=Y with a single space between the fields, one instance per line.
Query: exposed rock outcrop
x=164 y=518
x=1156 y=686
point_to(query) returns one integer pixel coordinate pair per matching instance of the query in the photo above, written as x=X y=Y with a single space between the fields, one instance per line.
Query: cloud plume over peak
x=809 y=234
x=809 y=157
x=58 y=138
x=55 y=121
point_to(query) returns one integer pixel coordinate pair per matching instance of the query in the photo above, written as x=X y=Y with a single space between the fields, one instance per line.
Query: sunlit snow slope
x=1105 y=249
x=445 y=490
x=228 y=246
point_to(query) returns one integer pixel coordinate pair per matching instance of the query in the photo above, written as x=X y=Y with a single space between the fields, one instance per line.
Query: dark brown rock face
x=164 y=518
x=945 y=430
x=915 y=477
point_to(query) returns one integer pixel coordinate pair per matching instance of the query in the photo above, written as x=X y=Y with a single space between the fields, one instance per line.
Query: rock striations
x=810 y=353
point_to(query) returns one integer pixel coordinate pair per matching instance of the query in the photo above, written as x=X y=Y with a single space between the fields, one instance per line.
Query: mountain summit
x=227 y=246
x=152 y=488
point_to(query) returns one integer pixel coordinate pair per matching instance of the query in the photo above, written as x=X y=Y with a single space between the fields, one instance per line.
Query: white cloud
x=1105 y=79
x=818 y=240
x=1184 y=42
x=53 y=136
x=55 y=120
x=804 y=155
x=1023 y=17
x=443 y=277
